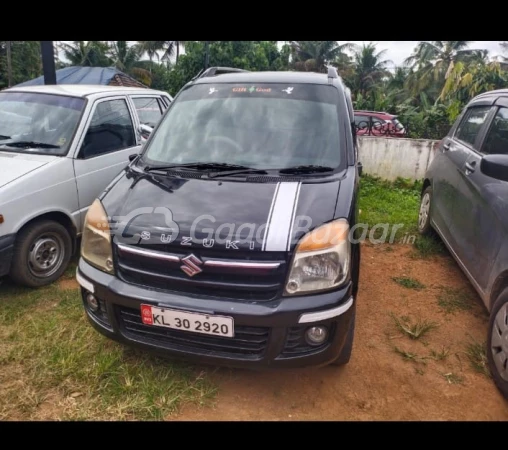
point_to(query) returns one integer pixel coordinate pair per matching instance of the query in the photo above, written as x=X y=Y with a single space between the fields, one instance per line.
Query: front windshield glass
x=40 y=123
x=262 y=126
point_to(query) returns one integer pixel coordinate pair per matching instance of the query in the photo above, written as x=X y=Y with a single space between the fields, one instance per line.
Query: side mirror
x=360 y=168
x=145 y=130
x=133 y=157
x=495 y=166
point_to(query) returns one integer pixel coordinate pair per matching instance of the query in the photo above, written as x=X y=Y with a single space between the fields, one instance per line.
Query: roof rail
x=332 y=72
x=212 y=71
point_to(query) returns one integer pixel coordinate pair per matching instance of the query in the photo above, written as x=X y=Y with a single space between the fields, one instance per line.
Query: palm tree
x=433 y=61
x=127 y=58
x=370 y=67
x=315 y=55
x=152 y=48
x=468 y=80
x=89 y=53
x=178 y=45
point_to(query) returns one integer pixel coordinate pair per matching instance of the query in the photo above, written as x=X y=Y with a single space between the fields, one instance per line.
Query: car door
x=452 y=154
x=104 y=150
x=149 y=108
x=482 y=201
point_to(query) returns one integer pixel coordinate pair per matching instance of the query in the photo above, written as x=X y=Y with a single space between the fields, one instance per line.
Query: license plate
x=187 y=321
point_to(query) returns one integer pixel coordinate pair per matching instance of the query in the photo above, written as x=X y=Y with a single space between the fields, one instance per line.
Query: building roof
x=79 y=90
x=89 y=75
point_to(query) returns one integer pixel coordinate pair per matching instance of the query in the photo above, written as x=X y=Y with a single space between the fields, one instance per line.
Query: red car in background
x=375 y=123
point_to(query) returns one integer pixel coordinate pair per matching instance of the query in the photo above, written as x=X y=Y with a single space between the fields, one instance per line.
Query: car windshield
x=32 y=122
x=261 y=126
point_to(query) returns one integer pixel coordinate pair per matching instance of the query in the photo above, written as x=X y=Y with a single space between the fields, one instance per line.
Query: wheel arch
x=59 y=217
x=499 y=286
x=426 y=184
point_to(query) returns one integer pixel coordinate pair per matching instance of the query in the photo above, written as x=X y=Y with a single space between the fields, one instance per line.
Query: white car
x=60 y=147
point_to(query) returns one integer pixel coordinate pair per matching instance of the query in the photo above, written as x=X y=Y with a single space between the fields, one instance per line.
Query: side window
x=149 y=110
x=362 y=121
x=471 y=124
x=110 y=129
x=496 y=141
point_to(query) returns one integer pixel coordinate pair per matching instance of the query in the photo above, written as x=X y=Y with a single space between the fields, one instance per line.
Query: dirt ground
x=379 y=383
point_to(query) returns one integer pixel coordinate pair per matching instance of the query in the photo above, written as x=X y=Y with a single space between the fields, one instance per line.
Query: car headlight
x=321 y=259
x=96 y=240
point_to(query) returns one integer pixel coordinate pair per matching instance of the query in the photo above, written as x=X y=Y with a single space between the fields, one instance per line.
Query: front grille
x=250 y=342
x=296 y=345
x=218 y=281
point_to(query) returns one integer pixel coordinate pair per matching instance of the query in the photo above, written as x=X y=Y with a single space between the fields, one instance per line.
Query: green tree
x=370 y=68
x=433 y=61
x=314 y=56
x=466 y=81
x=168 y=49
x=89 y=53
x=126 y=58
x=25 y=61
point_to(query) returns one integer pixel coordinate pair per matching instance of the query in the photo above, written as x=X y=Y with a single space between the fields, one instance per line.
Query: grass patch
x=409 y=283
x=428 y=246
x=453 y=378
x=409 y=356
x=477 y=355
x=51 y=341
x=393 y=203
x=415 y=330
x=440 y=355
x=452 y=300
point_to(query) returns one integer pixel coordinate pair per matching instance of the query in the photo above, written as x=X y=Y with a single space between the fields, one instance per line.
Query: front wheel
x=497 y=343
x=41 y=254
x=424 y=226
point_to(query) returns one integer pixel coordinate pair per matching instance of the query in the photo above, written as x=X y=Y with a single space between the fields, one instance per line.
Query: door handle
x=470 y=168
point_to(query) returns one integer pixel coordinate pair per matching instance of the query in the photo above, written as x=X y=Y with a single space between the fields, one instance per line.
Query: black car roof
x=266 y=77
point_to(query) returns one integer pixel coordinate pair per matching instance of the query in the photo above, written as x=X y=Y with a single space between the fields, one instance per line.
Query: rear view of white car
x=60 y=147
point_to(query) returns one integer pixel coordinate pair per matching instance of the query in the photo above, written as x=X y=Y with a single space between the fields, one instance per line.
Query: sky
x=398 y=51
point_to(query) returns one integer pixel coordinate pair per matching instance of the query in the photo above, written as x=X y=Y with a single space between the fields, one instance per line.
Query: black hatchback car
x=228 y=239
x=465 y=199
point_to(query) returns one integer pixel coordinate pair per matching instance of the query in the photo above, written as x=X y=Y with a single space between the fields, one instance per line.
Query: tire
x=41 y=254
x=345 y=355
x=424 y=226
x=497 y=343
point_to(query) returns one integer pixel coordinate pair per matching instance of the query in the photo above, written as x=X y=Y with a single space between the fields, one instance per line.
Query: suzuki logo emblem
x=191 y=265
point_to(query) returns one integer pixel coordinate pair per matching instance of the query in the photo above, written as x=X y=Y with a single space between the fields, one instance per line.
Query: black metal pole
x=207 y=54
x=48 y=62
x=9 y=64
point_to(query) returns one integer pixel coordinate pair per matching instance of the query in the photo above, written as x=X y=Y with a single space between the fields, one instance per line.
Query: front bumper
x=267 y=334
x=6 y=253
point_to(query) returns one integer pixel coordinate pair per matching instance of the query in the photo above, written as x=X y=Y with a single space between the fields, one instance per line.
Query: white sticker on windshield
x=288 y=90
x=212 y=90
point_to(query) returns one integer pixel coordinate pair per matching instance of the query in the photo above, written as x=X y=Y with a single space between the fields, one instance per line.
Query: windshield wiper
x=30 y=144
x=226 y=173
x=309 y=168
x=3 y=137
x=197 y=166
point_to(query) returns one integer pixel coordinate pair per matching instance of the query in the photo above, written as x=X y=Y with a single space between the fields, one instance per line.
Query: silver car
x=60 y=146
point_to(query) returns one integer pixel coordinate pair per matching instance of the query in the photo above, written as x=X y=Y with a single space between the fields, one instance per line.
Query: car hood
x=16 y=165
x=265 y=215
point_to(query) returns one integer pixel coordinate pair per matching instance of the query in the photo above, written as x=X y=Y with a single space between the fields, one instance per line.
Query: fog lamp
x=92 y=302
x=316 y=335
